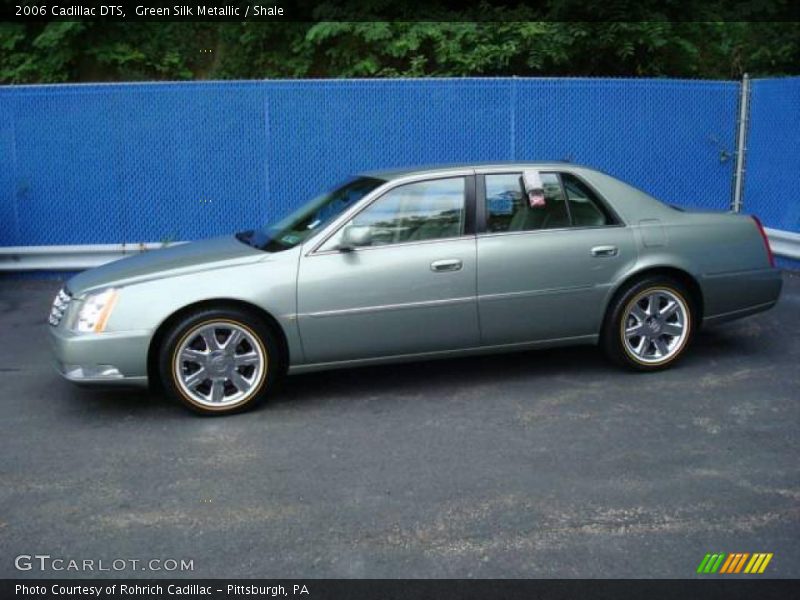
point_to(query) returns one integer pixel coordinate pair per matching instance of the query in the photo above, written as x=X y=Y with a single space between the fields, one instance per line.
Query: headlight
x=94 y=311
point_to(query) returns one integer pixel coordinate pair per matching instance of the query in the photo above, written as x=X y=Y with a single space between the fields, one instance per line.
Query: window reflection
x=425 y=210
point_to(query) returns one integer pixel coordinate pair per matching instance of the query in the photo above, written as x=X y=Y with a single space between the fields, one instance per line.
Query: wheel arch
x=681 y=275
x=161 y=331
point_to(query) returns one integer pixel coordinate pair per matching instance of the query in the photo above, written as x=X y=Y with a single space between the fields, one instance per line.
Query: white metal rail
x=68 y=258
x=784 y=243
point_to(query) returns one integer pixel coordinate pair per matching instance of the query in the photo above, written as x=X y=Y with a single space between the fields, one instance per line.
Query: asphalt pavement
x=539 y=464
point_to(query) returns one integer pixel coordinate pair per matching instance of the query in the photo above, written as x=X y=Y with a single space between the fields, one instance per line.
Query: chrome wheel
x=219 y=363
x=655 y=326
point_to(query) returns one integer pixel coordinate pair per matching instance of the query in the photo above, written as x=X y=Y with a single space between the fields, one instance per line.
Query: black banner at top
x=396 y=10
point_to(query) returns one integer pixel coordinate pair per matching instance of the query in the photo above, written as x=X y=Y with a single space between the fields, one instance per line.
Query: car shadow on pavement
x=433 y=377
x=439 y=377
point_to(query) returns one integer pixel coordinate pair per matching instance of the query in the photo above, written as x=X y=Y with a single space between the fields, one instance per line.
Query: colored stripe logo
x=736 y=562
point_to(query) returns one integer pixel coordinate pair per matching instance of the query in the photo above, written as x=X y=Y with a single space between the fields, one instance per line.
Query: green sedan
x=415 y=264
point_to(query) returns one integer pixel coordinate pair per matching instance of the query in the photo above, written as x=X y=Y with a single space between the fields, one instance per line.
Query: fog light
x=79 y=372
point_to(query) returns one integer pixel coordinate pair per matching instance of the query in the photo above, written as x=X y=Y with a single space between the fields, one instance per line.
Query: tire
x=663 y=338
x=199 y=367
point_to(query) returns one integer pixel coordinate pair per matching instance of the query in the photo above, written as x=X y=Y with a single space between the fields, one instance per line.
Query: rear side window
x=509 y=209
x=584 y=206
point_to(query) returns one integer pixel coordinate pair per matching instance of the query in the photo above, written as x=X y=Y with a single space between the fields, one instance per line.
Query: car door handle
x=449 y=264
x=605 y=251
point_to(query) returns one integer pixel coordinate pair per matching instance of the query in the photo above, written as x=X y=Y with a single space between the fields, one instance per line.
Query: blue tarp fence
x=151 y=162
x=772 y=177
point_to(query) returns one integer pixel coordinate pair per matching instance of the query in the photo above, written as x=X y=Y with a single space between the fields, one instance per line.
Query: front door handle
x=605 y=251
x=448 y=264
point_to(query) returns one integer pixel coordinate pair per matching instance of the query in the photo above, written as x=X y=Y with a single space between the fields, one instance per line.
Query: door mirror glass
x=355 y=236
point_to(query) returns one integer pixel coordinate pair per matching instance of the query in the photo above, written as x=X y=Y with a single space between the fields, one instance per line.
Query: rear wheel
x=219 y=361
x=649 y=325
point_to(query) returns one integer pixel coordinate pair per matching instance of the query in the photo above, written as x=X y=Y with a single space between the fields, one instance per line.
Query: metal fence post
x=741 y=143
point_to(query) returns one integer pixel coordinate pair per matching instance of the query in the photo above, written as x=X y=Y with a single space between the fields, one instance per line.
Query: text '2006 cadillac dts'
x=416 y=264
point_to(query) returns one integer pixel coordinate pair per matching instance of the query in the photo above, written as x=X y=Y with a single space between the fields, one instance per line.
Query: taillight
x=766 y=240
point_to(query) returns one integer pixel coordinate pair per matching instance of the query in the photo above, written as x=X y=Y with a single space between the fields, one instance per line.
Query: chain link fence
x=154 y=162
x=772 y=176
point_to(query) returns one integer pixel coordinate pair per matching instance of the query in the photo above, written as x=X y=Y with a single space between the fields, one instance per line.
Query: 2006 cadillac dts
x=416 y=264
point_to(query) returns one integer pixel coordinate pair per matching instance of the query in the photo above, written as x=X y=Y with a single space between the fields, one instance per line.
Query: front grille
x=60 y=305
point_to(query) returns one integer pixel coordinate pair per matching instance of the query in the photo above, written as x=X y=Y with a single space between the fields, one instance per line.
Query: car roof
x=395 y=173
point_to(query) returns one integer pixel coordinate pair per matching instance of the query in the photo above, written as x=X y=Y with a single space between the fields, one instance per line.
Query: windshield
x=311 y=217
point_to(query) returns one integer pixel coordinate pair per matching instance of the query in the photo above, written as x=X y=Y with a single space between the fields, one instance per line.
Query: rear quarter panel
x=727 y=256
x=724 y=252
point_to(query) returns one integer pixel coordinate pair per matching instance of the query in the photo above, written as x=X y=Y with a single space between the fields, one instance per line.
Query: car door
x=409 y=288
x=545 y=264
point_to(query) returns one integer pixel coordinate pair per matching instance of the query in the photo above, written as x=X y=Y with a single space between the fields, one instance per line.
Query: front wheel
x=649 y=325
x=219 y=361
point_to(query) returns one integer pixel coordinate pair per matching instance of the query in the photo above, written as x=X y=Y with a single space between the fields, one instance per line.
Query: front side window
x=416 y=212
x=508 y=208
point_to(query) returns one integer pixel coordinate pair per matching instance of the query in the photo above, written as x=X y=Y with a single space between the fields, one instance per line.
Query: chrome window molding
x=469 y=236
x=487 y=234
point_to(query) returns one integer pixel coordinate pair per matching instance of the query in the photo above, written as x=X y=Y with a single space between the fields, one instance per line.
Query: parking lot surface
x=538 y=464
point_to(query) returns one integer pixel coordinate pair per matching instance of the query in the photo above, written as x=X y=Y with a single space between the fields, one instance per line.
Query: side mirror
x=355 y=236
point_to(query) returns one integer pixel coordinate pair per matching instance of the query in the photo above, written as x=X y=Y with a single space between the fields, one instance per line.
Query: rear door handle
x=448 y=264
x=605 y=251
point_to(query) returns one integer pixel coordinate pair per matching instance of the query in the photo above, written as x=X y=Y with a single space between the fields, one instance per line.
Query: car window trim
x=470 y=221
x=480 y=203
x=337 y=225
x=565 y=199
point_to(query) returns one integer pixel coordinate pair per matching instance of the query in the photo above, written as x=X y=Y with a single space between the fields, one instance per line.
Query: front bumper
x=109 y=358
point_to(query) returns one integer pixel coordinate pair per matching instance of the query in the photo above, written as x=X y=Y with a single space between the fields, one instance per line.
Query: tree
x=486 y=40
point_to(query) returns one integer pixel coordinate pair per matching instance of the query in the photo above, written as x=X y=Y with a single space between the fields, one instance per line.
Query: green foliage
x=498 y=42
x=46 y=54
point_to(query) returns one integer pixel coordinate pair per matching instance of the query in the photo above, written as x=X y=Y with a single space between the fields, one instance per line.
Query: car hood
x=167 y=262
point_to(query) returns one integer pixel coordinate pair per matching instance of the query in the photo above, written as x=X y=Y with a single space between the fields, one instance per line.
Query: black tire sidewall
x=246 y=319
x=611 y=338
